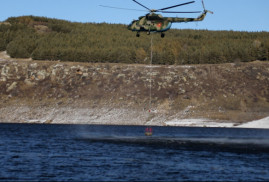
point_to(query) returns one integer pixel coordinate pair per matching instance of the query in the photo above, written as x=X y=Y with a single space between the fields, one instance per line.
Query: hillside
x=107 y=93
x=43 y=38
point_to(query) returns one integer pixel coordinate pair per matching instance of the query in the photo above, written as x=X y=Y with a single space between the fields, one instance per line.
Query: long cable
x=150 y=74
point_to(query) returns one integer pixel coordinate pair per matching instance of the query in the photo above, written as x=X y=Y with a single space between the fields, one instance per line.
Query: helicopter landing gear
x=137 y=34
x=162 y=35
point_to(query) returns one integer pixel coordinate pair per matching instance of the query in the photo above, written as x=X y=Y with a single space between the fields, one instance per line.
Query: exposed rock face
x=56 y=92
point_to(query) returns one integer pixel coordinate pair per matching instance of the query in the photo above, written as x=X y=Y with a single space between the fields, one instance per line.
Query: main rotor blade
x=121 y=8
x=176 y=5
x=141 y=5
x=180 y=11
x=203 y=4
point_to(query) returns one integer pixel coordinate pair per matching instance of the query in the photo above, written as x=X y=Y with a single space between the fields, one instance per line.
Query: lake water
x=123 y=153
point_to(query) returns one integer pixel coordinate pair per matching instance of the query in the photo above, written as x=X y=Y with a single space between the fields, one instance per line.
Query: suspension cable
x=150 y=73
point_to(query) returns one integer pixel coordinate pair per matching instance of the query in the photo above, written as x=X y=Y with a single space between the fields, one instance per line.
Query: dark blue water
x=123 y=153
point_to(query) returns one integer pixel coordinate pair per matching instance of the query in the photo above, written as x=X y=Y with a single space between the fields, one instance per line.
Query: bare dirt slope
x=62 y=92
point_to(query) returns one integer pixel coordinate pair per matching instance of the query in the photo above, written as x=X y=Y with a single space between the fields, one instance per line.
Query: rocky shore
x=94 y=93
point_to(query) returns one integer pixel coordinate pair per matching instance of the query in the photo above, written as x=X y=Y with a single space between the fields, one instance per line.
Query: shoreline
x=116 y=117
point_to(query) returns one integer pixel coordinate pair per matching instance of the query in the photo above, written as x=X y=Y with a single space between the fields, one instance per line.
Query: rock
x=5 y=70
x=49 y=121
x=12 y=87
x=186 y=97
x=3 y=79
x=121 y=75
x=85 y=74
x=192 y=77
x=29 y=82
x=33 y=65
x=41 y=75
x=79 y=72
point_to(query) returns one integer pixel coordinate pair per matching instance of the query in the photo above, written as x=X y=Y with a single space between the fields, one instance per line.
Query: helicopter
x=153 y=22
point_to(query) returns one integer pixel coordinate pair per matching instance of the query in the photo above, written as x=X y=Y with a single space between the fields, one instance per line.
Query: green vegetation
x=50 y=39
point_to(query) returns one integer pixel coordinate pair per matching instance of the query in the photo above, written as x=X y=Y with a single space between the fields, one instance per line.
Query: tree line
x=44 y=38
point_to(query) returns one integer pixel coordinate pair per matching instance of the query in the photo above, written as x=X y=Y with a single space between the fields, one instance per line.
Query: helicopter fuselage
x=157 y=23
x=150 y=23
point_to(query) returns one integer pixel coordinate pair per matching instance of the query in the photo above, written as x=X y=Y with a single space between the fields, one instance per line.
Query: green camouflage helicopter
x=153 y=22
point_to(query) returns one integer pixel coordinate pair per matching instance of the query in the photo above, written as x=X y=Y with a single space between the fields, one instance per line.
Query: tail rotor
x=205 y=10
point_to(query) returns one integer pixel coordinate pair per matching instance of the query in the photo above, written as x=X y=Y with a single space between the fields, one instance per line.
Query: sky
x=236 y=15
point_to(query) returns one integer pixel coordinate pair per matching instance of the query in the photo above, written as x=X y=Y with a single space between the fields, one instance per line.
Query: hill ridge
x=44 y=38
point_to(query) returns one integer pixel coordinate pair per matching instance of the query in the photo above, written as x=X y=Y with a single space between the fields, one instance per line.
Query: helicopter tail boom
x=180 y=20
x=199 y=18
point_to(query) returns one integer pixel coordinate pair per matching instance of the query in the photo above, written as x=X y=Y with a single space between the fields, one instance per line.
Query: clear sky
x=238 y=15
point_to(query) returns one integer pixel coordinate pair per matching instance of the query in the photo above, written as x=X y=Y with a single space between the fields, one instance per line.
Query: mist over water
x=87 y=152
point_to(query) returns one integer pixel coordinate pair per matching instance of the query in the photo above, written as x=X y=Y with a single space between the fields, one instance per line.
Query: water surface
x=120 y=153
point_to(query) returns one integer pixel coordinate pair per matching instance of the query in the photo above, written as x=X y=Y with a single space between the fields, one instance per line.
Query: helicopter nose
x=129 y=26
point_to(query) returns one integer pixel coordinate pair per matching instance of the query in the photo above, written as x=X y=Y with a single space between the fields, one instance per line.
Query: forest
x=42 y=38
